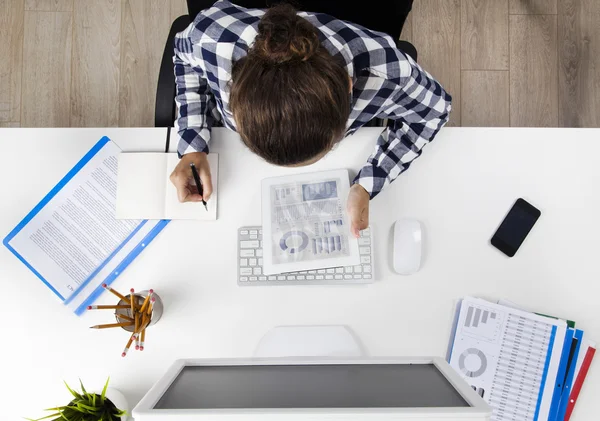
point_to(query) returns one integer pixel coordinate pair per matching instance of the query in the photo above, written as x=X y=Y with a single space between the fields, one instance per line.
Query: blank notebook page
x=145 y=192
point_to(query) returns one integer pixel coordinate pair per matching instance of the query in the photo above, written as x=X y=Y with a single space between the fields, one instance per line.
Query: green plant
x=86 y=407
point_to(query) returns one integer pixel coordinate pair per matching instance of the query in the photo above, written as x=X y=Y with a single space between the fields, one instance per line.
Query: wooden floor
x=506 y=62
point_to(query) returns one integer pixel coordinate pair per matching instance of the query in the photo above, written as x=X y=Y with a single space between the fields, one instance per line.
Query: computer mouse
x=408 y=246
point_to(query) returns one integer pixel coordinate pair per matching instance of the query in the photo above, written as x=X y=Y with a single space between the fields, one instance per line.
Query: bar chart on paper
x=502 y=354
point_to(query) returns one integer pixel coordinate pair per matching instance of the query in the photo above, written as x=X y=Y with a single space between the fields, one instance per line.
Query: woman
x=293 y=86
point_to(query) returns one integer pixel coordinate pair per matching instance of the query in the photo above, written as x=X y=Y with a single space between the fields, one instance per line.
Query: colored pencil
x=103 y=307
x=149 y=311
x=112 y=325
x=137 y=324
x=143 y=339
x=121 y=296
x=146 y=301
x=131 y=339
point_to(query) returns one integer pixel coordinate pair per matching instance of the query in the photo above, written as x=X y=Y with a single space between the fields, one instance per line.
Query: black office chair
x=388 y=20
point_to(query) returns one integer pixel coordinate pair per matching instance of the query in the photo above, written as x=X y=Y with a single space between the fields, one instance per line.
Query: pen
x=198 y=184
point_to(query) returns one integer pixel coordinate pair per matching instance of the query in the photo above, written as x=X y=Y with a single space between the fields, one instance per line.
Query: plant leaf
x=103 y=396
x=82 y=388
x=43 y=418
x=75 y=394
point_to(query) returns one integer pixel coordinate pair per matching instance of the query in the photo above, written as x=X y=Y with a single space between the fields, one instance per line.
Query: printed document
x=509 y=356
x=305 y=222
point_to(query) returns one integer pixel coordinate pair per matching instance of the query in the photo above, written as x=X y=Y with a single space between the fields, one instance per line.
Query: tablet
x=305 y=225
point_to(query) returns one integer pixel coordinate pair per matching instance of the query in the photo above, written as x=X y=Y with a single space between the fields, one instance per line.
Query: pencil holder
x=139 y=297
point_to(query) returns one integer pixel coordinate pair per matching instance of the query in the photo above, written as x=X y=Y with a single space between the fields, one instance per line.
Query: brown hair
x=289 y=97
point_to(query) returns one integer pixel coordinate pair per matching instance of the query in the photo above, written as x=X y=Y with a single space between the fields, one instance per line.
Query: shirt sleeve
x=418 y=109
x=196 y=106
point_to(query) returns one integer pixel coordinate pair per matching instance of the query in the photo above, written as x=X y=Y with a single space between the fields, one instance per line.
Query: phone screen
x=515 y=227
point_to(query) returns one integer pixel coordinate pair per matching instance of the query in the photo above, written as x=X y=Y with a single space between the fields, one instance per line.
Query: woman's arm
x=419 y=108
x=196 y=107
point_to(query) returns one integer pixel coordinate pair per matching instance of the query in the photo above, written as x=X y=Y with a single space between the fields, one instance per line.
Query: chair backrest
x=377 y=15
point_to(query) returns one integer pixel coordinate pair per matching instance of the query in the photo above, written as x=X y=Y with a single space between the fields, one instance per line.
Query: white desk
x=460 y=188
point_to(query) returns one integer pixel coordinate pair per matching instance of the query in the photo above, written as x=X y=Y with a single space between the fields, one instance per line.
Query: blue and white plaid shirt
x=386 y=84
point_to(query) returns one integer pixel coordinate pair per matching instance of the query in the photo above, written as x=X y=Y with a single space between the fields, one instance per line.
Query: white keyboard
x=250 y=264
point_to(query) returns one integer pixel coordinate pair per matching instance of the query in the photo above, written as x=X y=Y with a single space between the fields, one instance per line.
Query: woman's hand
x=183 y=179
x=358 y=209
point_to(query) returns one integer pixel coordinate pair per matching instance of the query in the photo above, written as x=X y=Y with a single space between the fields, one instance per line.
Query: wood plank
x=407 y=29
x=533 y=70
x=51 y=5
x=579 y=63
x=178 y=8
x=46 y=69
x=96 y=56
x=11 y=59
x=484 y=34
x=533 y=7
x=484 y=96
x=144 y=30
x=436 y=35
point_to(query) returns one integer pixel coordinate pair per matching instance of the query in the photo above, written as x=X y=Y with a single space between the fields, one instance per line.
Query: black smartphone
x=512 y=231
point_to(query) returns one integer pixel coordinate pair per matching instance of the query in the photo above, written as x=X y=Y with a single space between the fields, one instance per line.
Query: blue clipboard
x=561 y=375
x=568 y=382
x=159 y=226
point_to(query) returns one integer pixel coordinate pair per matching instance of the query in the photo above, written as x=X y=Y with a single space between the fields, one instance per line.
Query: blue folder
x=152 y=227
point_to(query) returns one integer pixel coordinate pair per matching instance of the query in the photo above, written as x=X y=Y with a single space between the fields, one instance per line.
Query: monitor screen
x=310 y=386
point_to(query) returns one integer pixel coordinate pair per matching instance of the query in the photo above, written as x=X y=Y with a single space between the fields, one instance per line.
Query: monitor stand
x=309 y=341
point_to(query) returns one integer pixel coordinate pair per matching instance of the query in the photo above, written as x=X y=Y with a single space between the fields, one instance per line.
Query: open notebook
x=144 y=190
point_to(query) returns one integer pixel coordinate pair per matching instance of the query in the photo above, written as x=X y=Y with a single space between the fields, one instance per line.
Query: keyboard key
x=253 y=232
x=243 y=279
x=281 y=278
x=367 y=276
x=243 y=262
x=244 y=232
x=320 y=277
x=253 y=278
x=347 y=276
x=252 y=262
x=348 y=269
x=357 y=276
x=259 y=253
x=358 y=269
x=365 y=260
x=367 y=268
x=365 y=232
x=330 y=270
x=260 y=262
x=260 y=232
x=339 y=277
x=272 y=278
x=302 y=272
x=321 y=271
x=253 y=237
x=249 y=244
x=312 y=271
x=364 y=250
x=245 y=271
x=364 y=241
x=246 y=253
x=291 y=278
x=257 y=271
x=339 y=270
x=301 y=277
x=328 y=276
x=310 y=277
x=262 y=278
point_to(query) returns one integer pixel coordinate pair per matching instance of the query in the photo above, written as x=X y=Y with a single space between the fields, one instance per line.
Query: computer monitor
x=317 y=388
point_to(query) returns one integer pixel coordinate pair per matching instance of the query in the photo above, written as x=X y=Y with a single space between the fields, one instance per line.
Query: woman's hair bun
x=283 y=36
